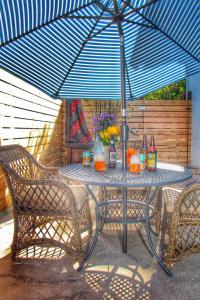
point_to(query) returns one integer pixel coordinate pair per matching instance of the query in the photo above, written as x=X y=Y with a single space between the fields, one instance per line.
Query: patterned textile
x=78 y=130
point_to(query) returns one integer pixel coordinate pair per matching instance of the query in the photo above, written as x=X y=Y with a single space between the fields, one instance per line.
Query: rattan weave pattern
x=118 y=177
x=45 y=210
x=182 y=227
x=134 y=210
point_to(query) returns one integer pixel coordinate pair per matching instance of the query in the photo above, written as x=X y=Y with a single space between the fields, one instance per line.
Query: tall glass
x=100 y=162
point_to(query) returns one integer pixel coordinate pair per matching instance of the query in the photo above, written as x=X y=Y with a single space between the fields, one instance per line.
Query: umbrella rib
x=158 y=28
x=138 y=8
x=79 y=52
x=125 y=3
x=104 y=7
x=100 y=30
x=47 y=23
x=86 y=17
x=140 y=24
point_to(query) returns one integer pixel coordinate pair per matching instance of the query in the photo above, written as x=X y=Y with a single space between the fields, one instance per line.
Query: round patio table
x=124 y=179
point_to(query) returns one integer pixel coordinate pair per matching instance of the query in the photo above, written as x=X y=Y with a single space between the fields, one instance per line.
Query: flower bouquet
x=105 y=126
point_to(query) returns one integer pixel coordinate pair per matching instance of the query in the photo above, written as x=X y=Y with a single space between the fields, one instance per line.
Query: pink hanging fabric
x=78 y=130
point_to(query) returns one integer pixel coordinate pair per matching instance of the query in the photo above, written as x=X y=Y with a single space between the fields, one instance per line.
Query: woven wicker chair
x=134 y=210
x=49 y=220
x=182 y=221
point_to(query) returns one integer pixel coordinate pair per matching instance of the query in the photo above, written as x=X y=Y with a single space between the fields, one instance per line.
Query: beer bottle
x=143 y=152
x=112 y=154
x=152 y=156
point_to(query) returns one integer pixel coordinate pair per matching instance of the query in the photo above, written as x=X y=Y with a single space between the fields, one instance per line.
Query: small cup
x=99 y=162
x=134 y=164
x=86 y=158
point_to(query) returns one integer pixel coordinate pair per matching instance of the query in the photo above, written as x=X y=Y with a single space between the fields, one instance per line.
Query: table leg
x=124 y=234
x=105 y=196
x=148 y=231
x=92 y=246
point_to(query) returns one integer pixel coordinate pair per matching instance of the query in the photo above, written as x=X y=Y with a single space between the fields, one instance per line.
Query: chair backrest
x=189 y=202
x=16 y=160
x=29 y=190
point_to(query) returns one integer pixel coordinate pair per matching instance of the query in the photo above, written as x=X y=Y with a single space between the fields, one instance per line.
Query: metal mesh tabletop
x=118 y=177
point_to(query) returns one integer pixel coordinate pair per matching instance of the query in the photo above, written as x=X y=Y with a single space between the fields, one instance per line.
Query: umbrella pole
x=124 y=126
x=124 y=134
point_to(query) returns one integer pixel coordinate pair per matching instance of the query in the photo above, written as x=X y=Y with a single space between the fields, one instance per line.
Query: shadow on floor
x=108 y=274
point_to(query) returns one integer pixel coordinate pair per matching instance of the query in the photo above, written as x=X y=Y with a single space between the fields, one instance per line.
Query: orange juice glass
x=100 y=165
x=134 y=168
x=129 y=153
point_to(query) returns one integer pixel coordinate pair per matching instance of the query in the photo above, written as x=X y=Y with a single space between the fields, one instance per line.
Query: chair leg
x=151 y=245
x=15 y=238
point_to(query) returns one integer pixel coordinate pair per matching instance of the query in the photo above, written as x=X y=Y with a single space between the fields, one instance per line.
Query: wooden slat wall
x=32 y=119
x=168 y=120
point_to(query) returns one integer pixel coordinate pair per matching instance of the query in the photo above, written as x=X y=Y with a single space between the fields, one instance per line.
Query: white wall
x=194 y=87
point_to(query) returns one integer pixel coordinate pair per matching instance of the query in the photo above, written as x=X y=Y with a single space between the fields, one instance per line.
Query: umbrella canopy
x=71 y=49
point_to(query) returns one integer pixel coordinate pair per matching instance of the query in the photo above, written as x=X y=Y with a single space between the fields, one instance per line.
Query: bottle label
x=151 y=160
x=142 y=167
x=112 y=157
x=86 y=161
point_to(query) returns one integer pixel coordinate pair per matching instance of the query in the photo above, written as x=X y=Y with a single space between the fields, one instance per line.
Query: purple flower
x=95 y=119
x=103 y=121
x=102 y=117
x=112 y=116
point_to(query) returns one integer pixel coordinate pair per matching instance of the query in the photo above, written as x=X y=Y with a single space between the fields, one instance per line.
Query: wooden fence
x=168 y=120
x=32 y=119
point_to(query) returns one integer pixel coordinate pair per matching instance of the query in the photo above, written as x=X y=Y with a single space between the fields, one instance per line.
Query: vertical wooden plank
x=32 y=119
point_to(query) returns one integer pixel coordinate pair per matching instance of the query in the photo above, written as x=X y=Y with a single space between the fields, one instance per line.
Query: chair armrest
x=181 y=206
x=44 y=195
x=43 y=172
x=183 y=228
x=170 y=195
x=52 y=193
x=188 y=201
x=49 y=171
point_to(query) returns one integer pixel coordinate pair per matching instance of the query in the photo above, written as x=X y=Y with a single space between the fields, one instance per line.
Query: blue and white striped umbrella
x=71 y=48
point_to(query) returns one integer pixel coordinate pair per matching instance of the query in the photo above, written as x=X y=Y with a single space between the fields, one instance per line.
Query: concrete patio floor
x=109 y=274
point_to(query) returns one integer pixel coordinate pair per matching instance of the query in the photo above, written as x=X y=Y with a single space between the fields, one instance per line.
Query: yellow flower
x=113 y=130
x=101 y=134
x=104 y=134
